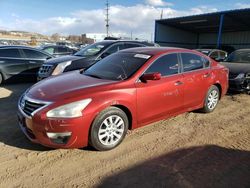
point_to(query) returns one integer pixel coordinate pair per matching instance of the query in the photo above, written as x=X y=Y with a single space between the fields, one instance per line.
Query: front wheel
x=108 y=129
x=211 y=100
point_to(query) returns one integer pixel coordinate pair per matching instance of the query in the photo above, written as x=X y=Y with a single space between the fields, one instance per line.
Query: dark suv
x=86 y=57
x=20 y=62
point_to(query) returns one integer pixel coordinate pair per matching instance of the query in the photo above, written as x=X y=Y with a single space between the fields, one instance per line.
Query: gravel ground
x=190 y=150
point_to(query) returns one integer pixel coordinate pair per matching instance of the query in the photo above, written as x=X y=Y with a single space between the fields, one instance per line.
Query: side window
x=14 y=53
x=132 y=45
x=191 y=62
x=33 y=54
x=50 y=50
x=62 y=49
x=214 y=55
x=222 y=55
x=115 y=48
x=69 y=50
x=166 y=65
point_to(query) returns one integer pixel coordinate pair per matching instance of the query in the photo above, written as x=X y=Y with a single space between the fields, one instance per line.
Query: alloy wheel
x=111 y=130
x=213 y=99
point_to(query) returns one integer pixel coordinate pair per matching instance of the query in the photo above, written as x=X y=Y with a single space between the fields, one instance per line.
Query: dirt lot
x=190 y=150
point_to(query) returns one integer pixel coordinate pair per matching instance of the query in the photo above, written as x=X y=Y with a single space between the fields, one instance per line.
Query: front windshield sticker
x=142 y=56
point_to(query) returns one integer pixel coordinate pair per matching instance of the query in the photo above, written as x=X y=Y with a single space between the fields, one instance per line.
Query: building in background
x=227 y=30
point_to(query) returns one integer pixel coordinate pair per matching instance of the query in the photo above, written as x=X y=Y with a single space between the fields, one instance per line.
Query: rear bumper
x=240 y=85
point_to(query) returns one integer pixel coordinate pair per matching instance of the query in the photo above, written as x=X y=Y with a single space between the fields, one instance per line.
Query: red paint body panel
x=147 y=101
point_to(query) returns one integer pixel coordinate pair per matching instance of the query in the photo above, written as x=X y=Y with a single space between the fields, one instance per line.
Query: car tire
x=108 y=129
x=211 y=100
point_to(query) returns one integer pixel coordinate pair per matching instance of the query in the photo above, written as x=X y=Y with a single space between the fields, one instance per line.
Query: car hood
x=237 y=68
x=68 y=85
x=55 y=61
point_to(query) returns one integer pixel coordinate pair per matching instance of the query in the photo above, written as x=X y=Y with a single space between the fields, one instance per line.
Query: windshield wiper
x=94 y=76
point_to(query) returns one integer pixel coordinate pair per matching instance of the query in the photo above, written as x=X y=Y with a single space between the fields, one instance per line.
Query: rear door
x=197 y=78
x=35 y=60
x=12 y=62
x=163 y=97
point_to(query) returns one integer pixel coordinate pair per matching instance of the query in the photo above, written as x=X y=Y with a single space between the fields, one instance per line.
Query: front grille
x=29 y=107
x=46 y=69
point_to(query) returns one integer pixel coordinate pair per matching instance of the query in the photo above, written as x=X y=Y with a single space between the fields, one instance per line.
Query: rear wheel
x=108 y=129
x=212 y=99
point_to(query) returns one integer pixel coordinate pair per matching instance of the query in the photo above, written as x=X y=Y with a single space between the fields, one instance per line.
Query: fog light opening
x=59 y=138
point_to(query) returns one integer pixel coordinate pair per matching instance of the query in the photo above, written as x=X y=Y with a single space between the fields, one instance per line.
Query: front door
x=35 y=60
x=160 y=98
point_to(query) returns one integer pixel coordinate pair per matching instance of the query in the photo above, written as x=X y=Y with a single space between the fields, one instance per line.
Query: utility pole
x=107 y=18
x=161 y=14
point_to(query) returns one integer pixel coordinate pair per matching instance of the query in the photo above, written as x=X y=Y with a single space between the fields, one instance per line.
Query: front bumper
x=39 y=130
x=240 y=85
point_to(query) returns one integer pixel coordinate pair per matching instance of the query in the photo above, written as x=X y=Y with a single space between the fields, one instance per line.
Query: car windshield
x=239 y=57
x=118 y=66
x=92 y=49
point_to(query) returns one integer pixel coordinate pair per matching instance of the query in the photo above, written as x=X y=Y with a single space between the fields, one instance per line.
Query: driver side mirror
x=151 y=76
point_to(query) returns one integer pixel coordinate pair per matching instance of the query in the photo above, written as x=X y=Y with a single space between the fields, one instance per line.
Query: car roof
x=242 y=50
x=132 y=41
x=153 y=50
x=54 y=45
x=209 y=49
x=23 y=47
x=16 y=46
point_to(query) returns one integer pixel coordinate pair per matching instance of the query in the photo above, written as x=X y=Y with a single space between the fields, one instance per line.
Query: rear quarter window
x=33 y=54
x=13 y=53
x=191 y=62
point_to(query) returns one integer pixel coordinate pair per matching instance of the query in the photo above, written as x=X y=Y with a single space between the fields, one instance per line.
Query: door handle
x=178 y=83
x=32 y=62
x=206 y=75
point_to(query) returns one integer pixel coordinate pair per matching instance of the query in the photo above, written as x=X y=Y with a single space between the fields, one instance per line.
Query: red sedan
x=126 y=90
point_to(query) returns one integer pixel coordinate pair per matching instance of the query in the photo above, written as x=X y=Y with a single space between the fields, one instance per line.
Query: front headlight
x=240 y=76
x=60 y=67
x=70 y=110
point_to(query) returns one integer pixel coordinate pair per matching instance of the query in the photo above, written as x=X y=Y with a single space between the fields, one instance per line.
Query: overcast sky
x=87 y=16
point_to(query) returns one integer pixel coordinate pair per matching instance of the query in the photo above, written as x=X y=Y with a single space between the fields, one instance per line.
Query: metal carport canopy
x=217 y=22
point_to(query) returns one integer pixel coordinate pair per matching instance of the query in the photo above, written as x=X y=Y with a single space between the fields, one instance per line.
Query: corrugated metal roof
x=234 y=20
